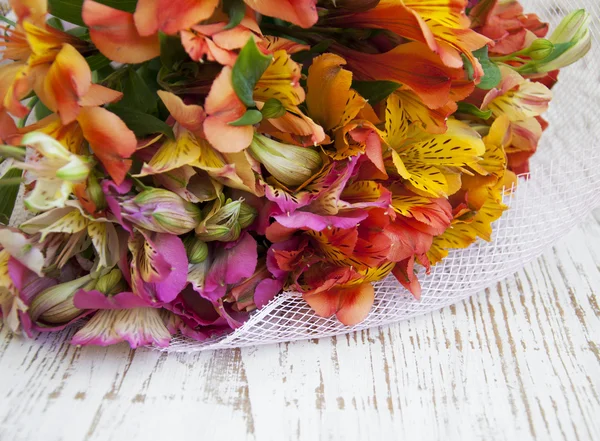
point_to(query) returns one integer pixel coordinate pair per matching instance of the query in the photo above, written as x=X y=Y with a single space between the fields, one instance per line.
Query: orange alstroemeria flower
x=67 y=86
x=413 y=65
x=442 y=26
x=215 y=43
x=32 y=47
x=340 y=292
x=115 y=34
x=507 y=25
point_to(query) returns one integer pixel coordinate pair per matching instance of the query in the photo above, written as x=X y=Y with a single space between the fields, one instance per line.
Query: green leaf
x=473 y=110
x=375 y=91
x=469 y=69
x=273 y=109
x=70 y=10
x=55 y=23
x=247 y=70
x=9 y=194
x=172 y=52
x=80 y=32
x=251 y=117
x=97 y=61
x=41 y=111
x=236 y=10
x=136 y=94
x=491 y=72
x=142 y=124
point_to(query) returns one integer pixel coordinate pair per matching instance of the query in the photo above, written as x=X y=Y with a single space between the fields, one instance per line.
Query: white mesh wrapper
x=563 y=188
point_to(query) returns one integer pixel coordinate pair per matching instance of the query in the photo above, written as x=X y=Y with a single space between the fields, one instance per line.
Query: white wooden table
x=518 y=362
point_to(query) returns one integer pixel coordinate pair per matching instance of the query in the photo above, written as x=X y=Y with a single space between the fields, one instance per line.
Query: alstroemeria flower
x=339 y=291
x=435 y=83
x=214 y=42
x=33 y=45
x=443 y=27
x=74 y=221
x=158 y=267
x=161 y=211
x=56 y=172
x=115 y=34
x=422 y=158
x=507 y=24
x=522 y=102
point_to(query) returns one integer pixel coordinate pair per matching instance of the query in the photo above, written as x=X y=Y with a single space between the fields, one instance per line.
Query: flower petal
x=223 y=106
x=189 y=116
x=110 y=139
x=137 y=326
x=300 y=12
x=115 y=35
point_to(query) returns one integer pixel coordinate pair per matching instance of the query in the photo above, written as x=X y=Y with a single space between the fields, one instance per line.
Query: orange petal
x=404 y=272
x=224 y=106
x=110 y=139
x=175 y=15
x=99 y=95
x=15 y=84
x=300 y=12
x=355 y=303
x=8 y=128
x=115 y=35
x=330 y=100
x=68 y=79
x=189 y=116
x=146 y=17
x=32 y=9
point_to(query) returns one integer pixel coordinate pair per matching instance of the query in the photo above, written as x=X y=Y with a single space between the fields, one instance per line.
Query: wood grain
x=520 y=361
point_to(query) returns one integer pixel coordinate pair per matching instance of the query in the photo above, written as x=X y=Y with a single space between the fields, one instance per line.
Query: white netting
x=564 y=187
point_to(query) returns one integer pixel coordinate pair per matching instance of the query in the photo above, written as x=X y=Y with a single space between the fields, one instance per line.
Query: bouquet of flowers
x=183 y=163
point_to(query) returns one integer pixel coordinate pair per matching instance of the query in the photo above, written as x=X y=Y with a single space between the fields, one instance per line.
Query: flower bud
x=196 y=250
x=224 y=222
x=572 y=39
x=95 y=191
x=289 y=164
x=55 y=305
x=112 y=283
x=540 y=49
x=161 y=211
